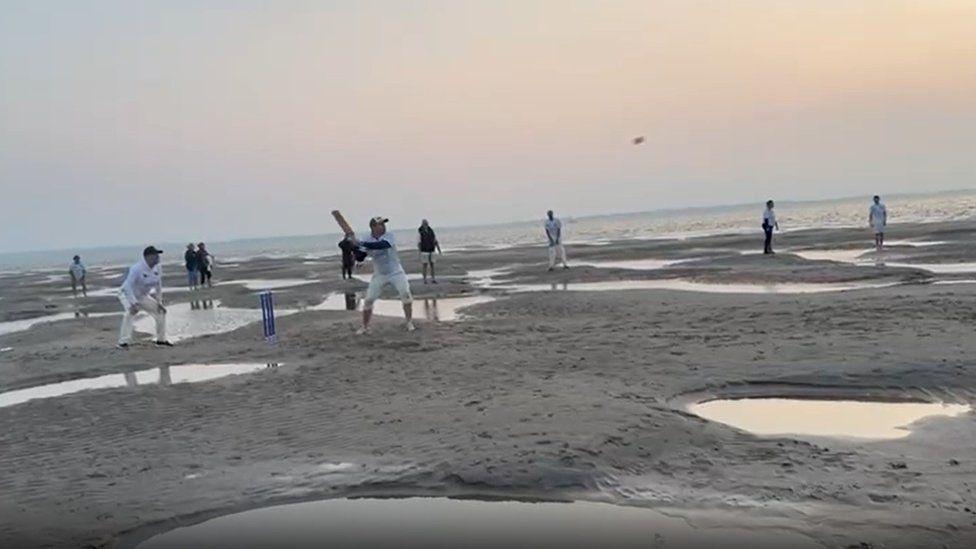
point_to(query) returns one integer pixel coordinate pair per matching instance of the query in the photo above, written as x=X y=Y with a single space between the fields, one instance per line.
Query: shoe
x=164 y=344
x=123 y=346
x=363 y=331
x=433 y=282
x=550 y=269
x=565 y=266
x=411 y=327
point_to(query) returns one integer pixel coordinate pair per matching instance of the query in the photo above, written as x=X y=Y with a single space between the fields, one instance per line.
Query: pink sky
x=188 y=120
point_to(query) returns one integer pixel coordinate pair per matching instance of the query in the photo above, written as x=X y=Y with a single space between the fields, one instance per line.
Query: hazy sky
x=129 y=122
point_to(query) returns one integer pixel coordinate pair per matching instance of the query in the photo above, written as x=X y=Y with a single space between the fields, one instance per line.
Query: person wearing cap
x=77 y=273
x=142 y=290
x=191 y=259
x=387 y=270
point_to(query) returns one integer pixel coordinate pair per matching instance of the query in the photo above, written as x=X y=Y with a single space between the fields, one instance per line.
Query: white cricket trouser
x=151 y=306
x=552 y=254
x=398 y=281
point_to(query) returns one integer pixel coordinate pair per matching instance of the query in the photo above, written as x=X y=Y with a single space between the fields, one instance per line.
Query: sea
x=673 y=223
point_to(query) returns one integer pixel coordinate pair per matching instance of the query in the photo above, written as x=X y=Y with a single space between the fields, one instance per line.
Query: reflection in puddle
x=827 y=418
x=197 y=318
x=165 y=375
x=447 y=523
x=438 y=309
x=689 y=286
x=257 y=284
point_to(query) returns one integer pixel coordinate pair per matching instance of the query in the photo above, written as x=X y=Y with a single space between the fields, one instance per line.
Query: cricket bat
x=343 y=224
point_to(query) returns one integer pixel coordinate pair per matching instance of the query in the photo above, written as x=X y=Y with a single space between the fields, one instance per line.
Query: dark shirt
x=428 y=240
x=348 y=257
x=191 y=260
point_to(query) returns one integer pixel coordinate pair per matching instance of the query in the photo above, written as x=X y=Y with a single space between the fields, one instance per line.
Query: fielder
x=143 y=291
x=878 y=220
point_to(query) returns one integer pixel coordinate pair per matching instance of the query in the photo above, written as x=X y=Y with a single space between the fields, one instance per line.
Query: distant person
x=348 y=248
x=142 y=290
x=878 y=219
x=77 y=273
x=387 y=270
x=554 y=232
x=427 y=243
x=769 y=223
x=192 y=268
x=205 y=263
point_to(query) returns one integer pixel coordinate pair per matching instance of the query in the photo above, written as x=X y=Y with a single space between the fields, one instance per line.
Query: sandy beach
x=575 y=394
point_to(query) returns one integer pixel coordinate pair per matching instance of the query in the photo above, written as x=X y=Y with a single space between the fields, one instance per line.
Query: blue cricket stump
x=268 y=318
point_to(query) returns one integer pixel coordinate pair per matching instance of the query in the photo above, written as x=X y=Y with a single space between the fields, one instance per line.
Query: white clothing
x=552 y=254
x=769 y=218
x=386 y=262
x=554 y=229
x=427 y=258
x=148 y=304
x=878 y=216
x=398 y=281
x=77 y=270
x=141 y=281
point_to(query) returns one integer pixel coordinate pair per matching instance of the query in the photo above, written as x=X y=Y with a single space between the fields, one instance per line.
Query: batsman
x=387 y=270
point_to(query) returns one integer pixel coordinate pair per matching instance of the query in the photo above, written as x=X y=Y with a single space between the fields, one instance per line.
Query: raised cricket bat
x=343 y=224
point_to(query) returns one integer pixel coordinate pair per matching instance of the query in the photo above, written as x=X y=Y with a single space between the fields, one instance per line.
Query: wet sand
x=552 y=395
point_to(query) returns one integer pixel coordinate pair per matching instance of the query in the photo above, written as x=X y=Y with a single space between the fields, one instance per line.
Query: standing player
x=769 y=223
x=878 y=219
x=77 y=273
x=142 y=290
x=387 y=270
x=554 y=232
x=427 y=243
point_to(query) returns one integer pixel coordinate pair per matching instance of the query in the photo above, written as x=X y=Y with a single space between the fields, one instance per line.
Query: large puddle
x=164 y=375
x=634 y=264
x=198 y=318
x=436 y=309
x=691 y=286
x=823 y=418
x=449 y=523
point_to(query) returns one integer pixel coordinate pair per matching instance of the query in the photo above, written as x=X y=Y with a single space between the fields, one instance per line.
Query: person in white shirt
x=380 y=245
x=878 y=219
x=142 y=290
x=554 y=232
x=77 y=273
x=769 y=223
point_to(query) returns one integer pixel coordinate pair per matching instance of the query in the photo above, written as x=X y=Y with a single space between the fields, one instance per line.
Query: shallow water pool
x=872 y=420
x=164 y=375
x=443 y=309
x=468 y=524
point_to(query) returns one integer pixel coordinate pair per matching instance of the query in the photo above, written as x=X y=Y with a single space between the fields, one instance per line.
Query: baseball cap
x=151 y=250
x=378 y=220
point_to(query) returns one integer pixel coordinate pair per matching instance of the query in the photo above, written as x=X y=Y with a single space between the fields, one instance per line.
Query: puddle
x=872 y=420
x=114 y=291
x=939 y=268
x=258 y=284
x=452 y=523
x=25 y=324
x=198 y=318
x=860 y=256
x=443 y=309
x=635 y=264
x=165 y=375
x=689 y=286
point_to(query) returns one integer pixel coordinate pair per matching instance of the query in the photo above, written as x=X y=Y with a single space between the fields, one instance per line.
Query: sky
x=127 y=122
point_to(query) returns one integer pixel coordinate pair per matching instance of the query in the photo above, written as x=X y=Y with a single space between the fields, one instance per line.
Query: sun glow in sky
x=125 y=122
